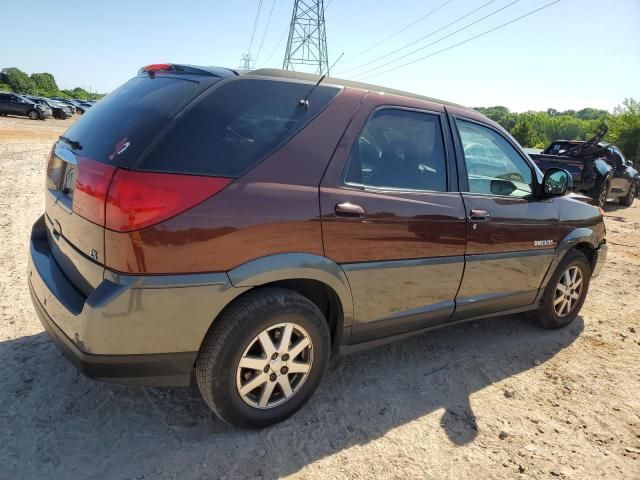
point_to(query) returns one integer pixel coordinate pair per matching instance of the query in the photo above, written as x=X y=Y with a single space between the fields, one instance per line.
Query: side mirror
x=556 y=182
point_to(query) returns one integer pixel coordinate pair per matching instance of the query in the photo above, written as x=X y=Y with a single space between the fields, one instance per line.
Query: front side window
x=494 y=167
x=399 y=149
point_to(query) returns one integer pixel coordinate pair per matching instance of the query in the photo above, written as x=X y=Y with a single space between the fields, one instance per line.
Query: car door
x=621 y=180
x=511 y=234
x=5 y=105
x=18 y=105
x=393 y=219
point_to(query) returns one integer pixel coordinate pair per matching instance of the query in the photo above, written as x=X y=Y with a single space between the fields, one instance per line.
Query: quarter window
x=494 y=167
x=399 y=149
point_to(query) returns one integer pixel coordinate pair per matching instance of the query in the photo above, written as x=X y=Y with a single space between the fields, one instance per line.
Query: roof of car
x=274 y=72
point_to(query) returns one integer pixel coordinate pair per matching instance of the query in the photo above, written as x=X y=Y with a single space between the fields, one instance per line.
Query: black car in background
x=14 y=104
x=66 y=102
x=59 y=110
x=81 y=105
x=599 y=169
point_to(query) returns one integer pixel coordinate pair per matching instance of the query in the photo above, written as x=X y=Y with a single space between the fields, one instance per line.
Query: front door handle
x=479 y=215
x=348 y=209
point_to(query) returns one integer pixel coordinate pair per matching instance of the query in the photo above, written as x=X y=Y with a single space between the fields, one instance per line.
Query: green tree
x=45 y=84
x=527 y=129
x=18 y=80
x=624 y=129
x=5 y=87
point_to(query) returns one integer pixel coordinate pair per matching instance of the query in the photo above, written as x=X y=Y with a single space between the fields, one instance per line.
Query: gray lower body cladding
x=142 y=330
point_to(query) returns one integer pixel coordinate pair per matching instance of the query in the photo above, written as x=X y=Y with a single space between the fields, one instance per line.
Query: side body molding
x=290 y=266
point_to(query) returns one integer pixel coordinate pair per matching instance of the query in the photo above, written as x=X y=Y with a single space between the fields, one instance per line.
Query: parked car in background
x=599 y=170
x=14 y=104
x=81 y=105
x=59 y=110
x=258 y=223
x=65 y=101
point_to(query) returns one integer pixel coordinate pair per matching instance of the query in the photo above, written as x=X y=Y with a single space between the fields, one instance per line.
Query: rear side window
x=118 y=128
x=399 y=149
x=235 y=126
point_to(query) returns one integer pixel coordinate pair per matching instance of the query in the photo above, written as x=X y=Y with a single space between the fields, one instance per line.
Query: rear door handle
x=348 y=209
x=479 y=215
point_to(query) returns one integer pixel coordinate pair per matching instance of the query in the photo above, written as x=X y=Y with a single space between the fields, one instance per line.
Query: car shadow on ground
x=55 y=423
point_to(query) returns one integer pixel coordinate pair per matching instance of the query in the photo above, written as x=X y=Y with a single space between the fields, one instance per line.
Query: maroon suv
x=250 y=226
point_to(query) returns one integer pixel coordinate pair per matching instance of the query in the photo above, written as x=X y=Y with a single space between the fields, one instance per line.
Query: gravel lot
x=493 y=399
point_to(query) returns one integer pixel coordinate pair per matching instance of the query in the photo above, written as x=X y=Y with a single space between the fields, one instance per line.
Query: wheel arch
x=583 y=239
x=317 y=278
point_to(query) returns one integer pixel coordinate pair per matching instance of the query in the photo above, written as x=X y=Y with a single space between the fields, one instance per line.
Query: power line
x=439 y=39
x=468 y=39
x=419 y=39
x=255 y=25
x=264 y=34
x=429 y=13
x=275 y=49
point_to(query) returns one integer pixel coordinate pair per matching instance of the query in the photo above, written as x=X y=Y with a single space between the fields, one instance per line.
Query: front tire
x=601 y=197
x=33 y=115
x=263 y=358
x=566 y=291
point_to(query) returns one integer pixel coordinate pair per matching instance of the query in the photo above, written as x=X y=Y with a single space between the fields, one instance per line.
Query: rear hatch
x=85 y=160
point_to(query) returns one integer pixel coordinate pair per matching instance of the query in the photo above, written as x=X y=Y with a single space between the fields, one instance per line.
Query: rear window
x=236 y=126
x=119 y=127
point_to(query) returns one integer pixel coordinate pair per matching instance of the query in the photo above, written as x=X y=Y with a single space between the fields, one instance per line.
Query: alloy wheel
x=568 y=291
x=602 y=199
x=274 y=366
x=33 y=115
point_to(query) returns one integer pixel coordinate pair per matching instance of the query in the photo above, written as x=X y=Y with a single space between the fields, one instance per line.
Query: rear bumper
x=143 y=330
x=170 y=369
x=600 y=260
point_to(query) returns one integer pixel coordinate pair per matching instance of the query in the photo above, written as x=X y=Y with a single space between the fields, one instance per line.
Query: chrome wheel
x=568 y=291
x=274 y=366
x=33 y=115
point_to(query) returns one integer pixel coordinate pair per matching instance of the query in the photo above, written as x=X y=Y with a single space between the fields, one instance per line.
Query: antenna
x=305 y=101
x=307 y=44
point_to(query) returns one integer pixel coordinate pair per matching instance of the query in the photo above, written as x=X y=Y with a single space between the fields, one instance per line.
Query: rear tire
x=562 y=299
x=627 y=200
x=250 y=331
x=33 y=115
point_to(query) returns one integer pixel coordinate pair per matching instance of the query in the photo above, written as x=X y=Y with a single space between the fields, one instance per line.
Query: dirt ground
x=500 y=398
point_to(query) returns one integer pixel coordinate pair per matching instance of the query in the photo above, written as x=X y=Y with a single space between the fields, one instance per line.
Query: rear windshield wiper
x=72 y=143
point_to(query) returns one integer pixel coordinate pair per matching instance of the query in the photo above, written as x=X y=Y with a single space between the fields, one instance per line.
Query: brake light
x=139 y=199
x=158 y=67
x=90 y=190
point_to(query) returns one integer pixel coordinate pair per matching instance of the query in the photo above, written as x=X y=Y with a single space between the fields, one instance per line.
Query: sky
x=570 y=55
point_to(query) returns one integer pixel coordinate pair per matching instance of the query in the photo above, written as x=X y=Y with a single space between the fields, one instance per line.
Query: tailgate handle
x=479 y=215
x=348 y=209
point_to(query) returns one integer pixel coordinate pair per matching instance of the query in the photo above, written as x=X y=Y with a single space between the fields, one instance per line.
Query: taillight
x=140 y=199
x=90 y=190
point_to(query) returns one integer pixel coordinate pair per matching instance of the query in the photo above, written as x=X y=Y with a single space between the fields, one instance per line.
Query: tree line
x=43 y=84
x=538 y=129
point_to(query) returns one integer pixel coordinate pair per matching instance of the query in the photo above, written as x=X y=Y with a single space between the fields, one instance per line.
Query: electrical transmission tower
x=307 y=44
x=247 y=61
